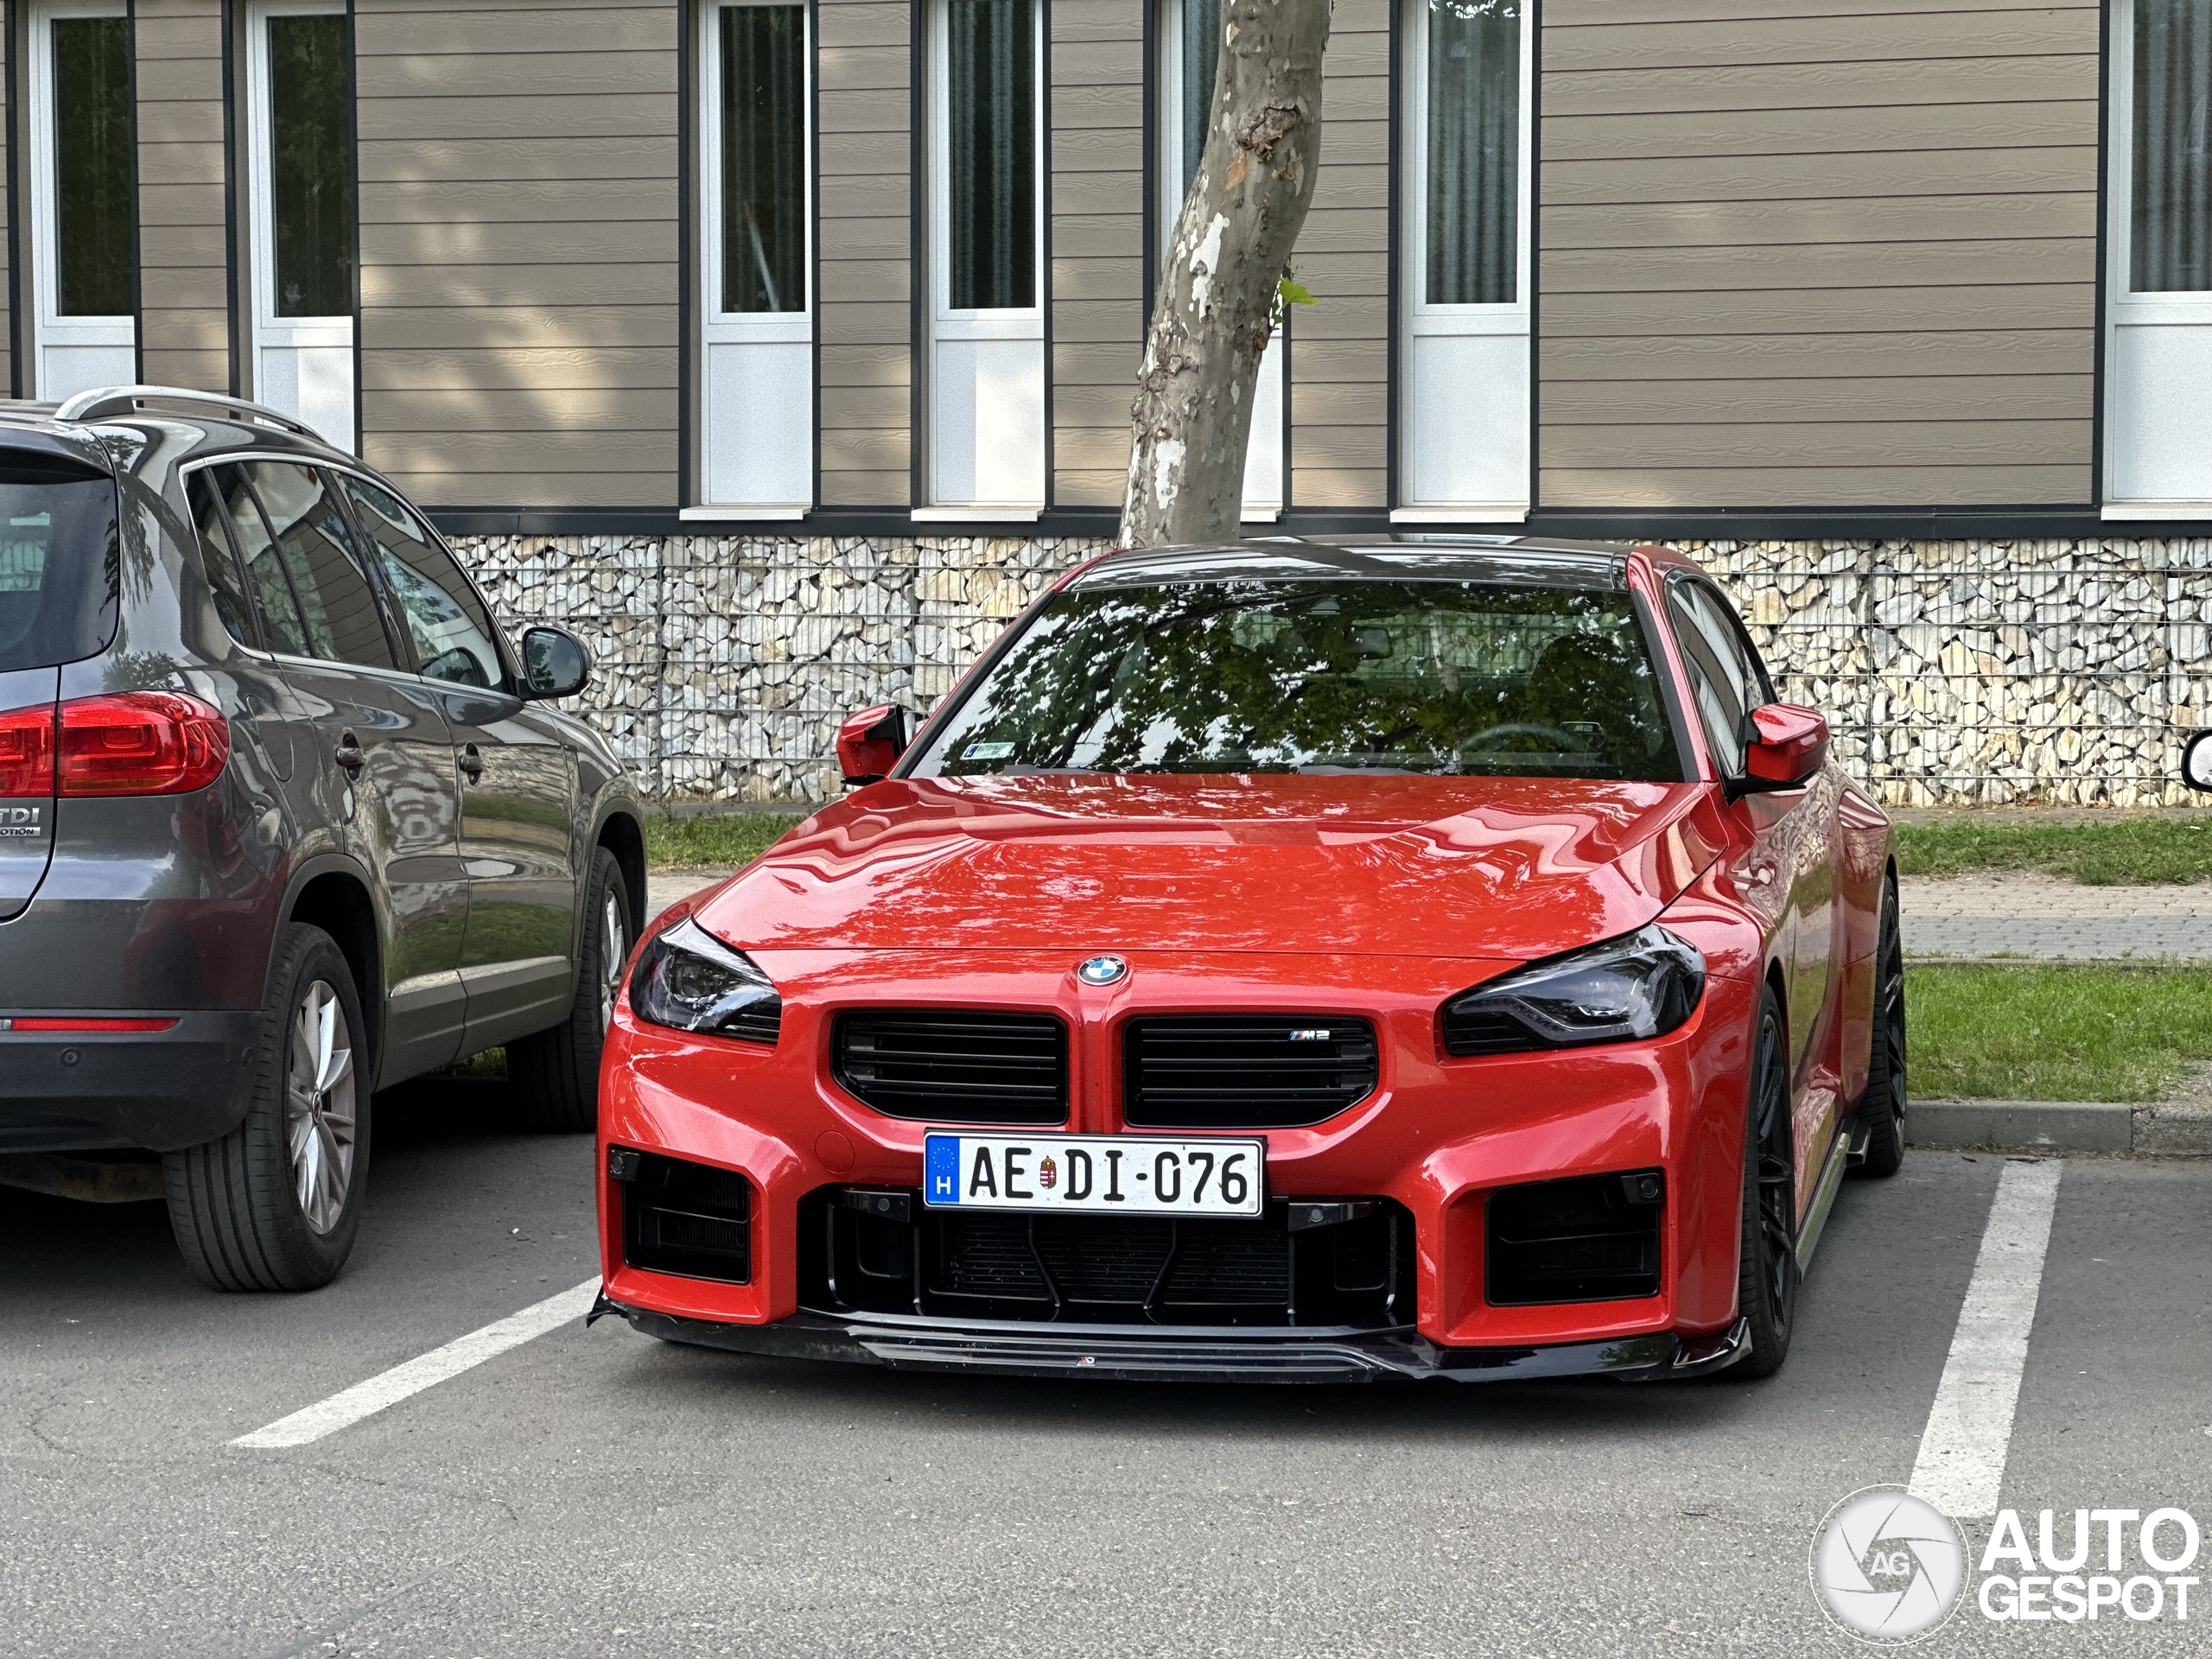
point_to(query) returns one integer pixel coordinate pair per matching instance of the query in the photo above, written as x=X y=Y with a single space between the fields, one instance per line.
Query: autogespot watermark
x=1891 y=1567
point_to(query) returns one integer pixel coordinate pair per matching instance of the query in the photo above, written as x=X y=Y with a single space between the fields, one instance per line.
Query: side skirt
x=1808 y=1236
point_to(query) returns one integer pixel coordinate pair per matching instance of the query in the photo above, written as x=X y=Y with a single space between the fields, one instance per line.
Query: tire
x=275 y=1204
x=1881 y=1109
x=554 y=1074
x=1766 y=1271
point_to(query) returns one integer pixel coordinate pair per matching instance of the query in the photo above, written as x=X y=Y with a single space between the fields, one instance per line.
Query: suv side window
x=281 y=622
x=316 y=548
x=210 y=521
x=453 y=636
x=1726 y=681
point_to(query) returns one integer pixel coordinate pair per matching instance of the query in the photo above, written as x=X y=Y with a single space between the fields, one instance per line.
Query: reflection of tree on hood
x=1267 y=676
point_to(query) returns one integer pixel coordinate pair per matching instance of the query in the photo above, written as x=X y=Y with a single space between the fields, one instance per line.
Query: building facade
x=787 y=348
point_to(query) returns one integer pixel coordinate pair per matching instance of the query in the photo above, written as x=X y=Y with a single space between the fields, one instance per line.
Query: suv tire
x=275 y=1204
x=554 y=1074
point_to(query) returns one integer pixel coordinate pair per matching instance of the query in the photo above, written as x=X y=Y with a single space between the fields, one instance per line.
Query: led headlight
x=1642 y=985
x=689 y=979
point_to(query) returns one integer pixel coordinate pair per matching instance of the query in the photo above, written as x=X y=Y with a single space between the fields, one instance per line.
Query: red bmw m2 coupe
x=1284 y=961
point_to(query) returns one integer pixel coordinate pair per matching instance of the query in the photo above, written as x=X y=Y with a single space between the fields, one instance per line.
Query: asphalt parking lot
x=594 y=1491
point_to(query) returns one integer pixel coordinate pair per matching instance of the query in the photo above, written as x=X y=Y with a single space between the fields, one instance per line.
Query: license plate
x=1096 y=1175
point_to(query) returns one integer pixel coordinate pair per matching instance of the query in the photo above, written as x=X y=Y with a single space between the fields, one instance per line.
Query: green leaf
x=1289 y=291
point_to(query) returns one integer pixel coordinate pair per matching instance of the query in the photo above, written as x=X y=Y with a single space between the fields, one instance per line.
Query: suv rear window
x=58 y=562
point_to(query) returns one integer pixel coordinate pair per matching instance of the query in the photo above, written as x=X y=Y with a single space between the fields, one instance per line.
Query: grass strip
x=711 y=841
x=2051 y=1033
x=2126 y=852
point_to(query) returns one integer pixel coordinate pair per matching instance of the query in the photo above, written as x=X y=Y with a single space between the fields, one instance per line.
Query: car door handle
x=349 y=754
x=470 y=763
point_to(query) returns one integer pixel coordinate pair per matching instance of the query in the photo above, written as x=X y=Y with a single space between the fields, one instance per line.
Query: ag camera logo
x=1888 y=1566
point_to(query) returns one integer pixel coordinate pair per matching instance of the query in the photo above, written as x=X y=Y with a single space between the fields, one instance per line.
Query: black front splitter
x=1155 y=1354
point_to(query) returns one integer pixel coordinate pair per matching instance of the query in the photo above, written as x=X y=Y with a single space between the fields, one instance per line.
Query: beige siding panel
x=1806 y=132
x=183 y=241
x=1874 y=399
x=863 y=303
x=519 y=251
x=1756 y=86
x=474 y=161
x=1915 y=34
x=1096 y=153
x=1339 y=420
x=1838 y=487
x=1839 y=264
x=518 y=368
x=1795 y=253
x=1814 y=359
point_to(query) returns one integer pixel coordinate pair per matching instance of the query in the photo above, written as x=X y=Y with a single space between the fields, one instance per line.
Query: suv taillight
x=129 y=743
x=141 y=743
x=26 y=752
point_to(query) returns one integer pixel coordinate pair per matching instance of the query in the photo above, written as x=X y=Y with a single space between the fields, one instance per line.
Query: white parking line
x=425 y=1370
x=1961 y=1462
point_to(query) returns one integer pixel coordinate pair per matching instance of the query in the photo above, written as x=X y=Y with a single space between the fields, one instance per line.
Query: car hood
x=1431 y=867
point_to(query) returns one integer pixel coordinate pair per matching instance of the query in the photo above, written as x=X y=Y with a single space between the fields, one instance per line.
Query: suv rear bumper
x=86 y=1090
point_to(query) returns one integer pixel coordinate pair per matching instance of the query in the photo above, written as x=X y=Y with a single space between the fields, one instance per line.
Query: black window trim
x=256 y=624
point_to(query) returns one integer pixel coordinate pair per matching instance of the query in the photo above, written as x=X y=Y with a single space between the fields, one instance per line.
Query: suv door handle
x=349 y=754
x=470 y=762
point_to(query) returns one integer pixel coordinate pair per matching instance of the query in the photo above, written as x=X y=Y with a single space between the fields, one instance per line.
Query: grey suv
x=284 y=820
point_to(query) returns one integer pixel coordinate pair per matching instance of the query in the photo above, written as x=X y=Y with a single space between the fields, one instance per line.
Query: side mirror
x=553 y=664
x=2197 y=761
x=870 y=743
x=1785 y=747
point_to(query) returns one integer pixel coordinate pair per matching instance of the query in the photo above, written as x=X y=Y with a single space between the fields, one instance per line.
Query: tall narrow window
x=756 y=318
x=2158 y=433
x=987 y=358
x=1464 y=450
x=85 y=253
x=1190 y=36
x=299 y=120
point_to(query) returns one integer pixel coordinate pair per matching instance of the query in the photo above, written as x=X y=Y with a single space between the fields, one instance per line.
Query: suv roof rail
x=101 y=401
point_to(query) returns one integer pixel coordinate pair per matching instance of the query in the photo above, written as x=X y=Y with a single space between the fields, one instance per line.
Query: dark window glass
x=991 y=117
x=60 y=562
x=211 y=520
x=1201 y=65
x=2172 y=250
x=1474 y=152
x=317 y=551
x=1469 y=678
x=281 y=622
x=452 y=634
x=96 y=230
x=311 y=150
x=764 y=158
x=1727 y=681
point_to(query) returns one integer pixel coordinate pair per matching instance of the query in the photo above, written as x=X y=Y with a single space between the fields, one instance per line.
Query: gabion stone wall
x=1953 y=672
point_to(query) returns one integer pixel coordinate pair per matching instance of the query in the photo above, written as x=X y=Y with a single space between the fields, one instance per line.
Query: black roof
x=1530 y=561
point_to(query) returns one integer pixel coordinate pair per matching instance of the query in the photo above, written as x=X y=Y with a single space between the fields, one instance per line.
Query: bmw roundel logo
x=1102 y=970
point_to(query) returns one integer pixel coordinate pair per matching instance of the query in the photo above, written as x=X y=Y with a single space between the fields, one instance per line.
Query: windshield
x=1460 y=678
x=58 y=562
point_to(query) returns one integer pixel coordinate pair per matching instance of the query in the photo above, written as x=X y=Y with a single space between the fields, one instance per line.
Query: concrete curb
x=2168 y=1128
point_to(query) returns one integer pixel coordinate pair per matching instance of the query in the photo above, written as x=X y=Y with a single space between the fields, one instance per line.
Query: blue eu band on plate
x=1098 y=1174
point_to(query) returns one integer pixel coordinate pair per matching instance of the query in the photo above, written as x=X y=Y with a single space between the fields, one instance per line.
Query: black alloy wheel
x=1766 y=1274
x=1881 y=1109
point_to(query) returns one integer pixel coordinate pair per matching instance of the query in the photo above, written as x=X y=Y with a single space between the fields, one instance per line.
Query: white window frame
x=68 y=353
x=756 y=420
x=2157 y=346
x=1495 y=402
x=961 y=418
x=1263 y=457
x=282 y=351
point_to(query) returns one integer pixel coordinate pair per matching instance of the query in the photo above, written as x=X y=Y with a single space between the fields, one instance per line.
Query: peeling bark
x=1191 y=421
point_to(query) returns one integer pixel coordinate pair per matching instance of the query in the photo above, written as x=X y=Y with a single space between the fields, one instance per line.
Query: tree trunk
x=1192 y=419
